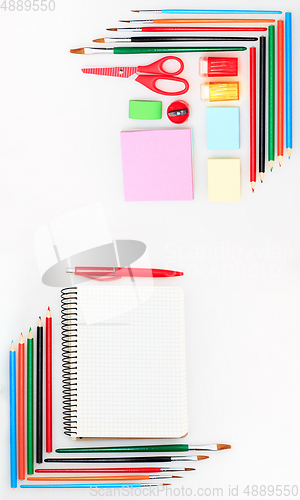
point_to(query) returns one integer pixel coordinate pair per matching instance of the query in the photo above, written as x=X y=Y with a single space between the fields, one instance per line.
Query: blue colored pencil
x=92 y=485
x=289 y=83
x=208 y=11
x=13 y=416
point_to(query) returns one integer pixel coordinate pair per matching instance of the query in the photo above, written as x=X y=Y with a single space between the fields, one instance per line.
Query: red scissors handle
x=149 y=81
x=157 y=68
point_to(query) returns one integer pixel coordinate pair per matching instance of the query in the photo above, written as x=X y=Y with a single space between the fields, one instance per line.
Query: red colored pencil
x=280 y=91
x=115 y=470
x=253 y=118
x=48 y=382
x=21 y=407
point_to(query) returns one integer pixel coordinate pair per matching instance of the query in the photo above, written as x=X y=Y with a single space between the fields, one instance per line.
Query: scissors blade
x=122 y=71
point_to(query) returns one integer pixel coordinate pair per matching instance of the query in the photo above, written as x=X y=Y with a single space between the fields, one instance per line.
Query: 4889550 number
x=278 y=490
x=26 y=5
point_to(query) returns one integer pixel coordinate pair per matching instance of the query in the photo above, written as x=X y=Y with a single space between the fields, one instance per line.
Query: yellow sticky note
x=224 y=179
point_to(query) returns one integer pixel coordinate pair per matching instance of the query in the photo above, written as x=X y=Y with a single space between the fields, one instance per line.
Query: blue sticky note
x=223 y=127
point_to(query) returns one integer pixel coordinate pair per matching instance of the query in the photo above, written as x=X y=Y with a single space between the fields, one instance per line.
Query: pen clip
x=111 y=276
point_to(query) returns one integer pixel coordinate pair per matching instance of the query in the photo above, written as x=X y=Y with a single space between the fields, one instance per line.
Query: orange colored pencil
x=280 y=91
x=21 y=407
x=96 y=478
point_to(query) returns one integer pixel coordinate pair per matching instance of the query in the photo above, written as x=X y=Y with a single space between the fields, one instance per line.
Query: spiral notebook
x=124 y=362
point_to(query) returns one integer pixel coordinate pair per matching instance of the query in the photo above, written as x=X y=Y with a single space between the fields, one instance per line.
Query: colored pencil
x=289 y=83
x=151 y=50
x=21 y=407
x=30 y=411
x=200 y=21
x=92 y=485
x=168 y=458
x=99 y=478
x=114 y=470
x=171 y=29
x=262 y=106
x=280 y=91
x=160 y=39
x=48 y=382
x=39 y=393
x=271 y=149
x=208 y=11
x=13 y=416
x=146 y=449
x=253 y=118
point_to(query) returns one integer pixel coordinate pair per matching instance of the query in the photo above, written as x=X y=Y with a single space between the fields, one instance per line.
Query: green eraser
x=145 y=110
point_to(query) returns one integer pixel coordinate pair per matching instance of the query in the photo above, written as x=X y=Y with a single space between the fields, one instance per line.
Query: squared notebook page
x=131 y=365
x=157 y=165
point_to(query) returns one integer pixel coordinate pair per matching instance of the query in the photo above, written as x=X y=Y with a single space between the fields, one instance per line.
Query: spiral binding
x=69 y=358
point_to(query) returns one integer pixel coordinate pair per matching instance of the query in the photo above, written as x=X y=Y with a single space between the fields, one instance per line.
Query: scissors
x=153 y=73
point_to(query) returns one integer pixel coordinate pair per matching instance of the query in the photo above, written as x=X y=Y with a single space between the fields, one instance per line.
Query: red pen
x=48 y=382
x=114 y=273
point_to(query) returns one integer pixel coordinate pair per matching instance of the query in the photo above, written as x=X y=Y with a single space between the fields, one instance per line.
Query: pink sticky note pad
x=157 y=165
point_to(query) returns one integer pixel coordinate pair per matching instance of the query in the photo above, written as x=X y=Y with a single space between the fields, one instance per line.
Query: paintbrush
x=196 y=21
x=114 y=470
x=151 y=50
x=159 y=39
x=147 y=448
x=208 y=11
x=100 y=478
x=165 y=458
x=167 y=29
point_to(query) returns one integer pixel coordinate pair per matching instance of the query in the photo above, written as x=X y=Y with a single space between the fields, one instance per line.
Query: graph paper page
x=131 y=362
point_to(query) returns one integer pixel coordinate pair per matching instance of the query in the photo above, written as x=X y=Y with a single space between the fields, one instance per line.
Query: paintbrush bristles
x=188 y=468
x=77 y=51
x=223 y=446
x=111 y=29
x=201 y=457
x=99 y=40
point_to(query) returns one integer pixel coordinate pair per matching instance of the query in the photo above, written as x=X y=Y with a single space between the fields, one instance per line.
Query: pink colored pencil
x=253 y=118
x=48 y=382
x=280 y=91
x=21 y=407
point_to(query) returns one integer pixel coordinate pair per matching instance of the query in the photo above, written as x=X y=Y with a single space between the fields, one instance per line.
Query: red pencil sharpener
x=218 y=66
x=178 y=112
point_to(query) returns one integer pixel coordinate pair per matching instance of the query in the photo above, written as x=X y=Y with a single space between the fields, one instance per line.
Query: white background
x=60 y=150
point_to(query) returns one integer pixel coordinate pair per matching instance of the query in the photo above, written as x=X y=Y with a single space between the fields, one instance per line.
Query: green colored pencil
x=30 y=461
x=151 y=448
x=151 y=50
x=271 y=150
